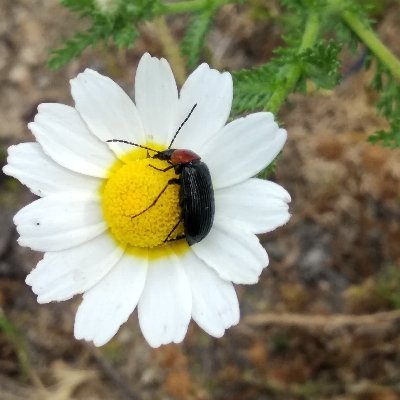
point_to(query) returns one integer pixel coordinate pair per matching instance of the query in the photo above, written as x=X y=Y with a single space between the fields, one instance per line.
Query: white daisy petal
x=156 y=97
x=63 y=274
x=215 y=304
x=107 y=305
x=212 y=91
x=243 y=148
x=59 y=222
x=259 y=205
x=67 y=140
x=28 y=163
x=166 y=303
x=235 y=254
x=107 y=110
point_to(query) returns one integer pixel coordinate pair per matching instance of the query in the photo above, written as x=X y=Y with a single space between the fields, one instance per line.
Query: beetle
x=196 y=193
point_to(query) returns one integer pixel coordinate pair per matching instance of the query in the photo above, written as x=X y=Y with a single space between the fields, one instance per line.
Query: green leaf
x=71 y=49
x=14 y=336
x=321 y=64
x=388 y=106
x=254 y=87
x=193 y=40
x=118 y=25
x=126 y=36
x=84 y=6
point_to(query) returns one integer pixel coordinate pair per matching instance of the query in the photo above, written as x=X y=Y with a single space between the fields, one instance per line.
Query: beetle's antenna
x=131 y=143
x=183 y=123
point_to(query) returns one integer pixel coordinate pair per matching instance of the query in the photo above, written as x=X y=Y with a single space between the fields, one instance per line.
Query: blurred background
x=324 y=320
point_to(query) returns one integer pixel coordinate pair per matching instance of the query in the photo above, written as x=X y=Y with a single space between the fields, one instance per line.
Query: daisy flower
x=91 y=191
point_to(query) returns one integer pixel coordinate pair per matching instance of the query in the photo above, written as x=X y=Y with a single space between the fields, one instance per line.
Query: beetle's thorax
x=178 y=156
x=183 y=156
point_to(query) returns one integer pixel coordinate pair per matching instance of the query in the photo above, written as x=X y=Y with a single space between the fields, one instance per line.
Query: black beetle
x=196 y=194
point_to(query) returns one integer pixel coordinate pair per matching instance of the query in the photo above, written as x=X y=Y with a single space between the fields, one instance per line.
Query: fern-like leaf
x=254 y=87
x=118 y=25
x=71 y=49
x=81 y=6
x=196 y=32
x=388 y=106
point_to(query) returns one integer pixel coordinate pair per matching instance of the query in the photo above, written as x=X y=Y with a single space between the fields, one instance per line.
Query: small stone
x=374 y=157
x=29 y=55
x=329 y=147
x=19 y=74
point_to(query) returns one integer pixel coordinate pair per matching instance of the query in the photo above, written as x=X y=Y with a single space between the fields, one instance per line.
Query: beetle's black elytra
x=196 y=194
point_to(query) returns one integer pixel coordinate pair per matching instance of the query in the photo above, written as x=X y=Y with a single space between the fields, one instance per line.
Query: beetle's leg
x=173 y=181
x=162 y=169
x=172 y=231
x=177 y=238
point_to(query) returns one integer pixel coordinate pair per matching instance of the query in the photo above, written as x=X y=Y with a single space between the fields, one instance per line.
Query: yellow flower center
x=133 y=185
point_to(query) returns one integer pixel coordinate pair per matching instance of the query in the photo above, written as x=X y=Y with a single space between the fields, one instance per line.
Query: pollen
x=133 y=185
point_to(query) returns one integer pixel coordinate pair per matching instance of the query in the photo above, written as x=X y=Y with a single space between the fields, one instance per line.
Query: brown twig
x=322 y=321
x=117 y=380
x=171 y=49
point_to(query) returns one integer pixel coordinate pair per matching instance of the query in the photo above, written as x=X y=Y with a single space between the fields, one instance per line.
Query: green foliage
x=254 y=87
x=388 y=106
x=72 y=48
x=301 y=7
x=333 y=22
x=321 y=64
x=118 y=24
x=82 y=6
x=193 y=40
x=314 y=32
x=301 y=59
x=388 y=286
x=13 y=335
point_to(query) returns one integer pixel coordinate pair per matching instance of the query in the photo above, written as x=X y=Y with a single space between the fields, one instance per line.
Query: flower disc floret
x=130 y=189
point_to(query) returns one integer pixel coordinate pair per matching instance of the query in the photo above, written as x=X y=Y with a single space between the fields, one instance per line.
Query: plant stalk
x=191 y=5
x=371 y=40
x=14 y=336
x=294 y=71
x=171 y=49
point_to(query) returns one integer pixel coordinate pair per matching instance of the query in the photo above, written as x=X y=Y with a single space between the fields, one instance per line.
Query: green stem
x=14 y=336
x=184 y=6
x=293 y=72
x=371 y=40
x=191 y=5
